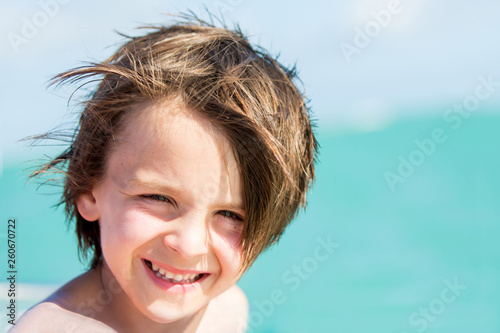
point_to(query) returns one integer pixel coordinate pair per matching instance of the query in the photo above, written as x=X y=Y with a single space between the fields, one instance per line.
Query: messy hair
x=250 y=97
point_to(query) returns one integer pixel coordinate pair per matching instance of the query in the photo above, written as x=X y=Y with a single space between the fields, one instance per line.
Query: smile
x=171 y=277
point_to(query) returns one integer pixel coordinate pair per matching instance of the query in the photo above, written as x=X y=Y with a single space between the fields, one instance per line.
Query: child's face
x=171 y=196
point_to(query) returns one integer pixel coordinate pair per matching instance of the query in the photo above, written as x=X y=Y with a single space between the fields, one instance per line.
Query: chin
x=165 y=314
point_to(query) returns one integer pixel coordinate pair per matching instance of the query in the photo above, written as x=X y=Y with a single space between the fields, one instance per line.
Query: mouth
x=171 y=277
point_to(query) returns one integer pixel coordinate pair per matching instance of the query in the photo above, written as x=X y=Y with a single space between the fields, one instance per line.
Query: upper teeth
x=186 y=278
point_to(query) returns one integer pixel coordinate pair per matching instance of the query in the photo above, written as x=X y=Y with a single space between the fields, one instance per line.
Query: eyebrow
x=153 y=186
x=232 y=206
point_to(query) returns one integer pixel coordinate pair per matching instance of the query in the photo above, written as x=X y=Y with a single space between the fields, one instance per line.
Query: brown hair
x=247 y=94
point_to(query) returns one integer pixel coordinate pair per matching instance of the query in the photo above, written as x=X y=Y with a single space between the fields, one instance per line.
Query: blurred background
x=402 y=226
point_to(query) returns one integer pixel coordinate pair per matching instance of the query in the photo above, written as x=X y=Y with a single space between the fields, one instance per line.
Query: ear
x=87 y=206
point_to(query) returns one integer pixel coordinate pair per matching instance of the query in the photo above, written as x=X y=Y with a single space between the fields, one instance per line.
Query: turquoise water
x=420 y=256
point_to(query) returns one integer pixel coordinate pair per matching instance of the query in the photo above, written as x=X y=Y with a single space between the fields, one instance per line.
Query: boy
x=191 y=157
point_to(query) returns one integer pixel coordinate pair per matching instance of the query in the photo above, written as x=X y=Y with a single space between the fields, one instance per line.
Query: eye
x=231 y=215
x=156 y=197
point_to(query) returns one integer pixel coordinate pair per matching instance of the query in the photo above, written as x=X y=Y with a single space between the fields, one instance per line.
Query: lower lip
x=175 y=288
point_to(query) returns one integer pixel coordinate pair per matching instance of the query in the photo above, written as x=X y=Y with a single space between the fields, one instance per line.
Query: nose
x=190 y=237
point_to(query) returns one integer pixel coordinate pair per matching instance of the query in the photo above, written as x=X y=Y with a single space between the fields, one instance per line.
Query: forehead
x=168 y=141
x=167 y=117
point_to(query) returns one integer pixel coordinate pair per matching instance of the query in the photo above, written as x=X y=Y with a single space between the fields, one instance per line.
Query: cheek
x=227 y=231
x=123 y=235
x=228 y=253
x=124 y=230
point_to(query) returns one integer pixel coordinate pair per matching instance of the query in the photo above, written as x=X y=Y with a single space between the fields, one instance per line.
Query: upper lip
x=175 y=270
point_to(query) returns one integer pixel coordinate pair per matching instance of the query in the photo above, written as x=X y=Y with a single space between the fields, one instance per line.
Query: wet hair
x=251 y=98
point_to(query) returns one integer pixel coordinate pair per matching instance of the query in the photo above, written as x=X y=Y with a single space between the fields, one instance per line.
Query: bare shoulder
x=226 y=313
x=36 y=319
x=50 y=317
x=60 y=312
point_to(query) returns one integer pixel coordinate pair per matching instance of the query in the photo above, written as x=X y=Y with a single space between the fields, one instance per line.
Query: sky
x=364 y=63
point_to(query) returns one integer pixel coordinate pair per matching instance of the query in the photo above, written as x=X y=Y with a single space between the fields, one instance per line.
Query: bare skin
x=82 y=306
x=170 y=212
